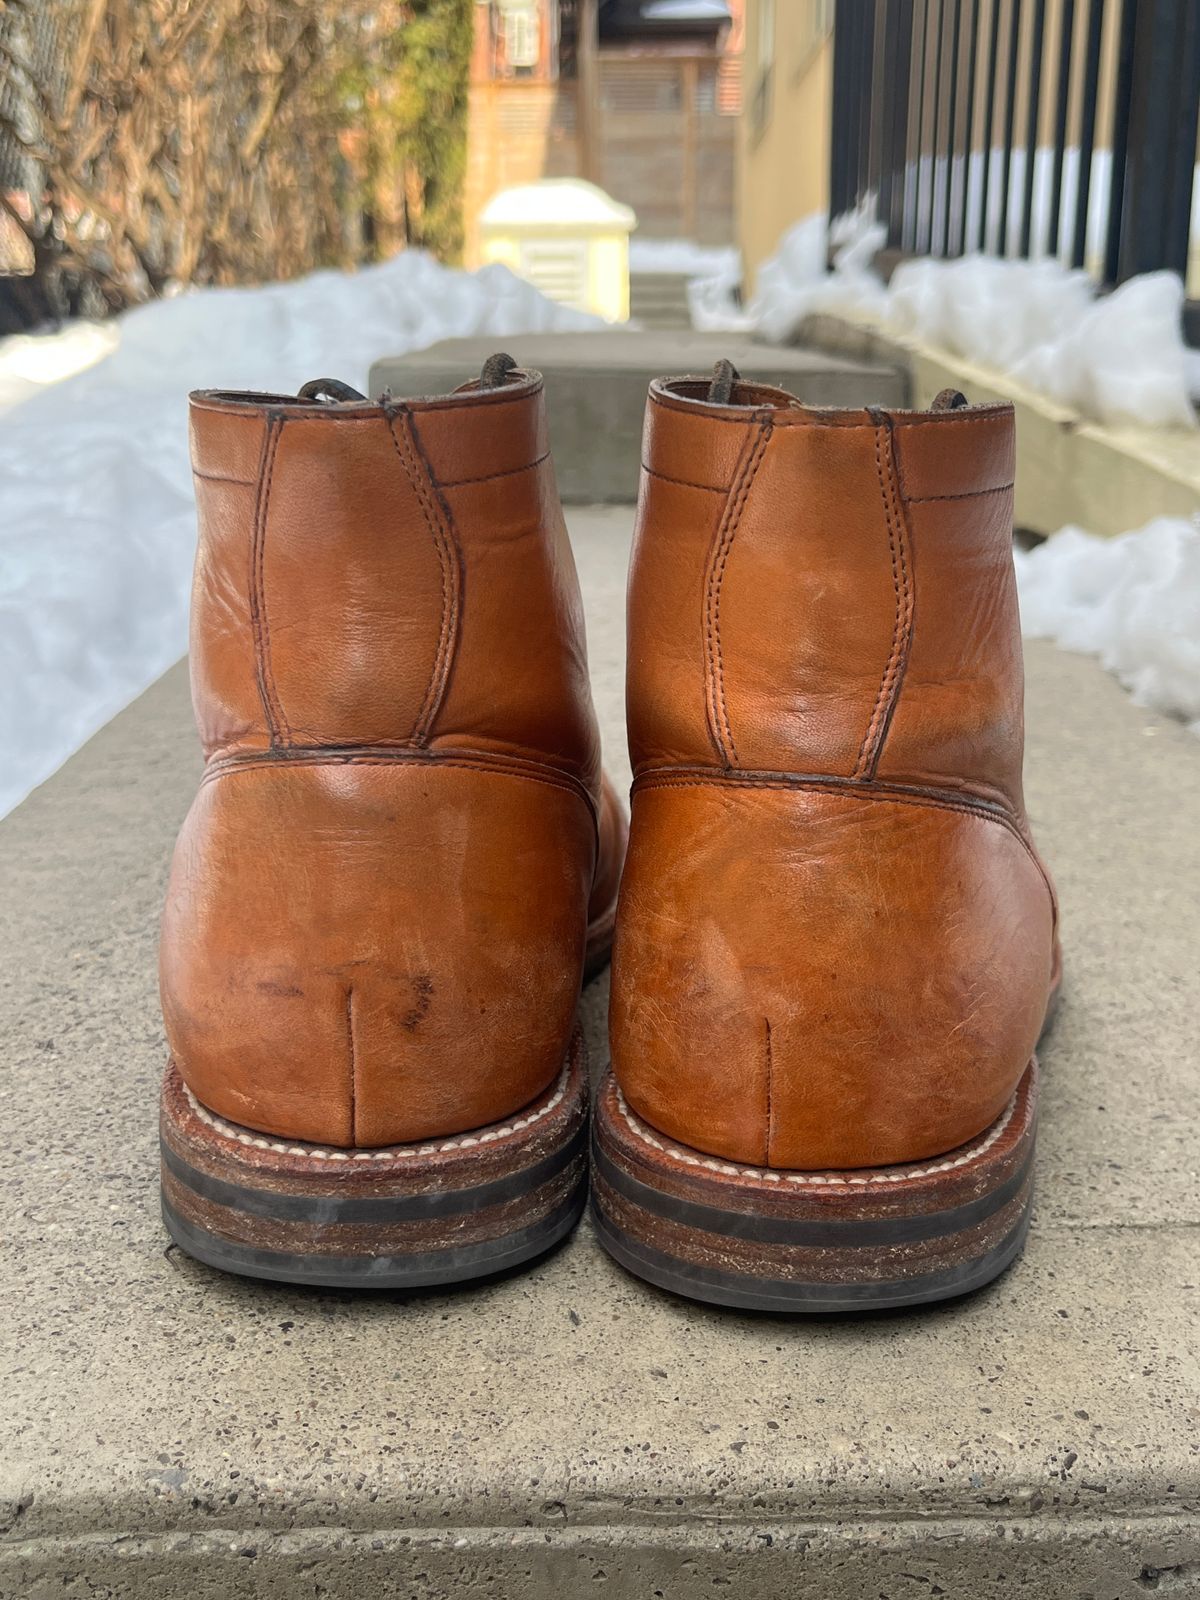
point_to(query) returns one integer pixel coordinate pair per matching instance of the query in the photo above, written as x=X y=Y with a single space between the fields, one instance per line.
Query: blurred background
x=868 y=200
x=148 y=145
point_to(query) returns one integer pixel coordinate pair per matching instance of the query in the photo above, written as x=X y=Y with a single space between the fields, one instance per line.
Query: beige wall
x=783 y=137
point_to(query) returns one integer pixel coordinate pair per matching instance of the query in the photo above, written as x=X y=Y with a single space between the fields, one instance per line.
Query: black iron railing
x=1018 y=127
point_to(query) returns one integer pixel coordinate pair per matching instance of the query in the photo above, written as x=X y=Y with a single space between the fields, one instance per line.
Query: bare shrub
x=153 y=142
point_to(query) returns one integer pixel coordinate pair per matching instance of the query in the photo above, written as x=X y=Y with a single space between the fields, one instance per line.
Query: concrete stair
x=659 y=299
x=166 y=1431
x=596 y=389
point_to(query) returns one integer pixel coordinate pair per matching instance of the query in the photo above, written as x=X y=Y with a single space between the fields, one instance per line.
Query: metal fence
x=1063 y=128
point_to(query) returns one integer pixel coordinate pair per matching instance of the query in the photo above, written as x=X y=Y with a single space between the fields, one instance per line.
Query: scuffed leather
x=379 y=903
x=835 y=940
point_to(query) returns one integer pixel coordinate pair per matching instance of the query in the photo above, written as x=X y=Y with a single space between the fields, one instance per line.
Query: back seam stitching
x=731 y=519
x=277 y=727
x=449 y=575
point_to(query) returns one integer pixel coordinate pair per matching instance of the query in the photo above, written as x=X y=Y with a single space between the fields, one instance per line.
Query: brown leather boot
x=836 y=941
x=402 y=858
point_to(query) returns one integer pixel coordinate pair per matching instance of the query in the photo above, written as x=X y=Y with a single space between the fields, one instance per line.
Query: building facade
x=639 y=96
x=783 y=137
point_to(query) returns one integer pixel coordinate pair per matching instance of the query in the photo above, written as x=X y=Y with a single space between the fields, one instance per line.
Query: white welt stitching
x=879 y=1175
x=320 y=1152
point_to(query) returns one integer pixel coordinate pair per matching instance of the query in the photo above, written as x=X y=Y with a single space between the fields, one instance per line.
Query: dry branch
x=169 y=141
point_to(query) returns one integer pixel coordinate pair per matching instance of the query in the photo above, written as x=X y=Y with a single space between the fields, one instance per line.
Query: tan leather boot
x=402 y=858
x=836 y=941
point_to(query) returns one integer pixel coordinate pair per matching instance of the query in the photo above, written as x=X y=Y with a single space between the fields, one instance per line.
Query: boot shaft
x=402 y=855
x=826 y=592
x=389 y=575
x=836 y=941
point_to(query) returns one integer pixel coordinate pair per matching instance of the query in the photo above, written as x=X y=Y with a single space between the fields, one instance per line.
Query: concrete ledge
x=986 y=1559
x=596 y=388
x=1069 y=470
x=166 y=1431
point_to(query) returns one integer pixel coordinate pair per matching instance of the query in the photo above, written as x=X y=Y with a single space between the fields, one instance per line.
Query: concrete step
x=659 y=299
x=596 y=389
x=166 y=1431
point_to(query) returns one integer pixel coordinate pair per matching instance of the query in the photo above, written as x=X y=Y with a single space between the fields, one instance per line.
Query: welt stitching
x=260 y=626
x=726 y=748
x=439 y=672
x=967 y=494
x=867 y=750
x=490 y=477
x=319 y=1152
x=680 y=1153
x=685 y=483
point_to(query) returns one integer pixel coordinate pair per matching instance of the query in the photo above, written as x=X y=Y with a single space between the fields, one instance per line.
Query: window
x=522 y=34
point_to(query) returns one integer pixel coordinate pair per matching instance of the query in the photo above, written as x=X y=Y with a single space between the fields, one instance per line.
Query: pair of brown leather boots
x=835 y=941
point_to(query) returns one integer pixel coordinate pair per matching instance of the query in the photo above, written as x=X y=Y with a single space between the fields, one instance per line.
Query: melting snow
x=1132 y=601
x=1119 y=358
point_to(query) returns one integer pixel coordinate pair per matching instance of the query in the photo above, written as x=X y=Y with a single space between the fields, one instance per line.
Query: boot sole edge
x=813 y=1243
x=435 y=1213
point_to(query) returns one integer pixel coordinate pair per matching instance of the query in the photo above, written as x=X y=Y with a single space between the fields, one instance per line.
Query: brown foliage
x=179 y=141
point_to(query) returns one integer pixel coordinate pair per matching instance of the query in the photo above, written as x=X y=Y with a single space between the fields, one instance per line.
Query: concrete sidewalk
x=166 y=1431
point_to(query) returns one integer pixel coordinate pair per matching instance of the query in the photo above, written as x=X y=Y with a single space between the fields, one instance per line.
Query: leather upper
x=381 y=900
x=835 y=938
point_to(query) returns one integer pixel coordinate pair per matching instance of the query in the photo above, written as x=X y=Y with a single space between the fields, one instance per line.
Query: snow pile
x=714 y=302
x=1119 y=359
x=97 y=527
x=32 y=361
x=1133 y=601
x=796 y=283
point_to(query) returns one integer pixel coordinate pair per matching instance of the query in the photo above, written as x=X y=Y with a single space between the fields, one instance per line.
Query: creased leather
x=835 y=939
x=380 y=901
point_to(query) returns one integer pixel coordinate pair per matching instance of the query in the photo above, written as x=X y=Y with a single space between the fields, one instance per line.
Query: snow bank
x=1133 y=601
x=97 y=525
x=30 y=362
x=795 y=283
x=1119 y=359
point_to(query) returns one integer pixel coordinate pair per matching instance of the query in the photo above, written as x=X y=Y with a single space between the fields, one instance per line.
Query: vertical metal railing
x=1065 y=128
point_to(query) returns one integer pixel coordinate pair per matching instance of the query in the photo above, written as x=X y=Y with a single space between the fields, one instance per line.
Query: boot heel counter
x=367 y=952
x=866 y=1015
